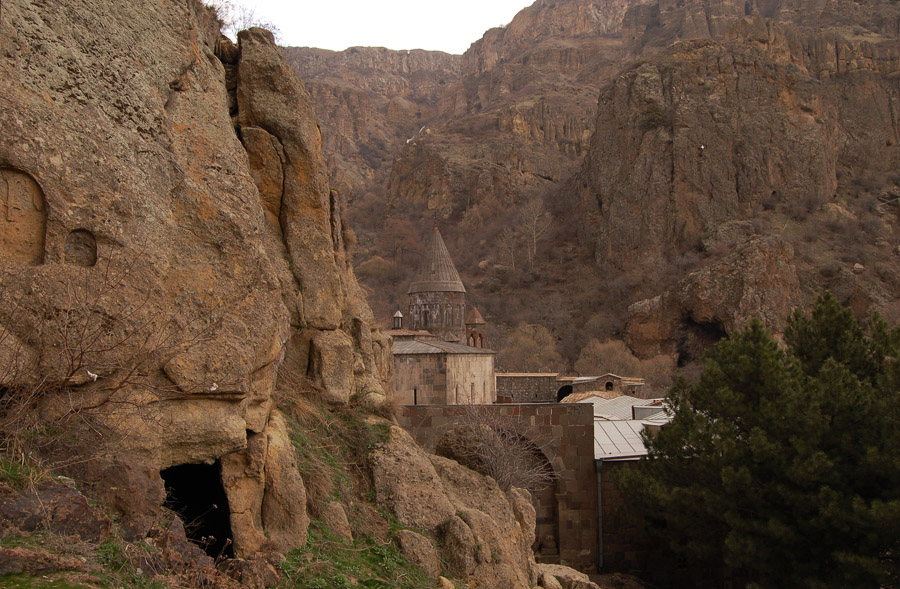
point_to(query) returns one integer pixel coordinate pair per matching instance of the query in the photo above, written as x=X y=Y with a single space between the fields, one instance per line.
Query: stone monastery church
x=440 y=358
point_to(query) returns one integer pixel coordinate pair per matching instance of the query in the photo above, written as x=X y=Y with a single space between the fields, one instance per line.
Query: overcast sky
x=395 y=24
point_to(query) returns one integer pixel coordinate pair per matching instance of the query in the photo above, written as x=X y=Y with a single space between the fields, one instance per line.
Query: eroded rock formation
x=162 y=258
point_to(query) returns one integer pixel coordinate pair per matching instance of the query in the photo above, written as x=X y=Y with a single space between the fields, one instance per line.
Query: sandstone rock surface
x=487 y=534
x=566 y=577
x=420 y=551
x=171 y=221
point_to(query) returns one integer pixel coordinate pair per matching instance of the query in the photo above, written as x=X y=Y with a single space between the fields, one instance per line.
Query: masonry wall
x=470 y=379
x=538 y=388
x=626 y=388
x=441 y=313
x=565 y=434
x=420 y=379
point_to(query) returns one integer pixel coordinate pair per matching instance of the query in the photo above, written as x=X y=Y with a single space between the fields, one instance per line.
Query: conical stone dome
x=436 y=273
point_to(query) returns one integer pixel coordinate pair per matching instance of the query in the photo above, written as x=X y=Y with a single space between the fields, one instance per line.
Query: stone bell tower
x=437 y=297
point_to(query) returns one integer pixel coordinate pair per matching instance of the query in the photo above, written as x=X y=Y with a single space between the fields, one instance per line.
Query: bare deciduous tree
x=501 y=446
x=236 y=17
x=508 y=243
x=530 y=348
x=535 y=222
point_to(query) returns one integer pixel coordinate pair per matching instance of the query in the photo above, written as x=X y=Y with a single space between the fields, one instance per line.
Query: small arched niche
x=23 y=219
x=81 y=248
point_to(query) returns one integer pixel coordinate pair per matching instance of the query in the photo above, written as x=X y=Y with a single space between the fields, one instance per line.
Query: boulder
x=14 y=561
x=335 y=519
x=567 y=577
x=407 y=484
x=419 y=551
x=486 y=535
x=756 y=281
x=55 y=507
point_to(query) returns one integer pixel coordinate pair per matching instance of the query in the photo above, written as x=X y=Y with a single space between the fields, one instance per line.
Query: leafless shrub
x=105 y=349
x=498 y=445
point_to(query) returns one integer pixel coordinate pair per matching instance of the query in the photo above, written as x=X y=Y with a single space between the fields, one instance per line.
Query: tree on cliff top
x=235 y=17
x=786 y=463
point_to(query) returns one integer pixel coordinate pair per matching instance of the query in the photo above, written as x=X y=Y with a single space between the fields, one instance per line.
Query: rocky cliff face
x=772 y=125
x=370 y=100
x=709 y=114
x=173 y=264
x=153 y=283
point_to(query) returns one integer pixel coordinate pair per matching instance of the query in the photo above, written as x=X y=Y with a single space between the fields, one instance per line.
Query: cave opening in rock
x=195 y=492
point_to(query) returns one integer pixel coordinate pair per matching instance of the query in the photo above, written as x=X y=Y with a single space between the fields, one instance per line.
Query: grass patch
x=332 y=446
x=326 y=562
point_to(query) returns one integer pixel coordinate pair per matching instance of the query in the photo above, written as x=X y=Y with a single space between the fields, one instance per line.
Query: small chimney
x=398 y=320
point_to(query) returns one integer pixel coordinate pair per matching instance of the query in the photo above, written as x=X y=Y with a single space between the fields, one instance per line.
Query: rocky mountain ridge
x=779 y=114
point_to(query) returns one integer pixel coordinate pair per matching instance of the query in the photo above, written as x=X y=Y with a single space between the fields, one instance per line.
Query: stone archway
x=563 y=392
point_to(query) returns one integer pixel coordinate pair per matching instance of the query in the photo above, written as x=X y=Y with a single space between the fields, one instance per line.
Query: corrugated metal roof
x=436 y=347
x=436 y=273
x=618 y=439
x=617 y=408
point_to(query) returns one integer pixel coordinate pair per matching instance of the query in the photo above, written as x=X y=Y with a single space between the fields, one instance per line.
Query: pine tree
x=784 y=463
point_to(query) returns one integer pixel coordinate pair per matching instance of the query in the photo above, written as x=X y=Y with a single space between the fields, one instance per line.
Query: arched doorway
x=563 y=392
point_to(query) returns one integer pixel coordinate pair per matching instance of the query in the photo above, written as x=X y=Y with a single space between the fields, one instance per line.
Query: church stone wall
x=470 y=379
x=441 y=313
x=420 y=379
x=438 y=379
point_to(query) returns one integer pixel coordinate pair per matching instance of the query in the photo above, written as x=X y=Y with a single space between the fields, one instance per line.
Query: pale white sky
x=395 y=24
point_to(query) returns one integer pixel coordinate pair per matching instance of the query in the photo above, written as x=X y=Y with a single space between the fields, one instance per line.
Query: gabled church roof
x=436 y=272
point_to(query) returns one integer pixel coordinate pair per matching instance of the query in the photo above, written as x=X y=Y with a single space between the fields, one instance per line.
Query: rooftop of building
x=617 y=435
x=409 y=333
x=475 y=318
x=436 y=273
x=587 y=395
x=620 y=407
x=411 y=347
x=625 y=380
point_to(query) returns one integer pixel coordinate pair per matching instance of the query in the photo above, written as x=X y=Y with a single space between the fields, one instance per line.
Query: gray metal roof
x=436 y=273
x=618 y=439
x=617 y=407
x=409 y=347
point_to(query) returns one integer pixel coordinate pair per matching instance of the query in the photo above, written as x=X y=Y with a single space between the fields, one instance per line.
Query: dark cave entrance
x=195 y=492
x=563 y=392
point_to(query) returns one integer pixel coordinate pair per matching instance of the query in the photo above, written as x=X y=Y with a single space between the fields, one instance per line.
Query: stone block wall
x=470 y=379
x=527 y=388
x=565 y=434
x=420 y=379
